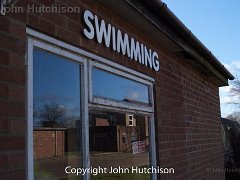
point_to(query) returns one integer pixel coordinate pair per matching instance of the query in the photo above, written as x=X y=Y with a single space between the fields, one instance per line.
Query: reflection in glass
x=115 y=87
x=56 y=116
x=119 y=140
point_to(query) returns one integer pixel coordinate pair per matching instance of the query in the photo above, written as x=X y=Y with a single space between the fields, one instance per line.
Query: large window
x=120 y=121
x=84 y=113
x=56 y=115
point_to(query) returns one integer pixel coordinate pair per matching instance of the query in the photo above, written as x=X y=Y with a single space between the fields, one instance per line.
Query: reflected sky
x=55 y=81
x=111 y=86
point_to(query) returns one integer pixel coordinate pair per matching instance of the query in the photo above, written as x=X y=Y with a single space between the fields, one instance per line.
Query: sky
x=217 y=25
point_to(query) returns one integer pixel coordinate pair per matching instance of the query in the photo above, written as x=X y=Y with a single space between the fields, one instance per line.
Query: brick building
x=64 y=60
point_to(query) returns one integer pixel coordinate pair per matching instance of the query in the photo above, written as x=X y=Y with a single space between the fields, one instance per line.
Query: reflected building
x=115 y=132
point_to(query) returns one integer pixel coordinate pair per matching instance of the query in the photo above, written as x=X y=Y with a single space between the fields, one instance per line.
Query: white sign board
x=138 y=147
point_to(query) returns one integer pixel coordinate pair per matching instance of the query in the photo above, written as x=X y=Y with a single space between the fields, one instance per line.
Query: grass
x=40 y=173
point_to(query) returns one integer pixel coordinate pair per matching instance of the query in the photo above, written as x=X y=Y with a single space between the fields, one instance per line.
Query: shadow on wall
x=231 y=140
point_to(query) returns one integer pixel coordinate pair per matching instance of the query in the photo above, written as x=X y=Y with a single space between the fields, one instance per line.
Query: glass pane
x=118 y=145
x=56 y=116
x=108 y=85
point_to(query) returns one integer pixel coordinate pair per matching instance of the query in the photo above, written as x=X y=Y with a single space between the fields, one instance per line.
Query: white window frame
x=34 y=43
x=130 y=124
x=36 y=39
x=113 y=103
x=130 y=120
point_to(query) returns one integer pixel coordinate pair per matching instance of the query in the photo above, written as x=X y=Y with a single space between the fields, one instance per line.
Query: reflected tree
x=52 y=115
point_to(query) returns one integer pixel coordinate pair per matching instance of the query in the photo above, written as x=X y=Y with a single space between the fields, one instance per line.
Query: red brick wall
x=48 y=143
x=188 y=128
x=12 y=97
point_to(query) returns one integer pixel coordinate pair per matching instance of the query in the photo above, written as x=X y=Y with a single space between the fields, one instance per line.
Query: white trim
x=30 y=168
x=90 y=81
x=85 y=124
x=118 y=109
x=58 y=51
x=131 y=120
x=84 y=53
x=153 y=158
x=151 y=96
x=124 y=105
x=153 y=161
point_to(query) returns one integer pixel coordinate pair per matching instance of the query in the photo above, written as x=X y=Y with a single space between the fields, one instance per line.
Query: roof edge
x=157 y=5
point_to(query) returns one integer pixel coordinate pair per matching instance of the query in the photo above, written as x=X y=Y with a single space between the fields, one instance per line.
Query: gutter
x=160 y=9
